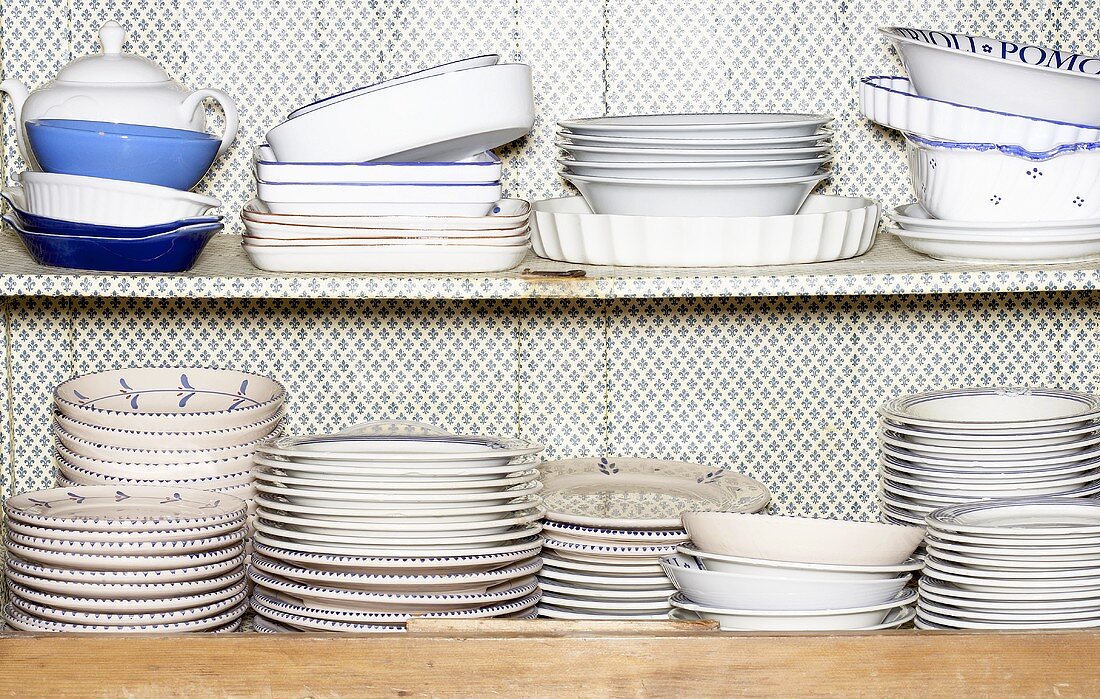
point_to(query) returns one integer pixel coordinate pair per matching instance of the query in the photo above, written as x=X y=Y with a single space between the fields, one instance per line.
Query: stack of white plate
x=609 y=521
x=950 y=447
x=125 y=559
x=187 y=427
x=1012 y=564
x=758 y=572
x=358 y=531
x=697 y=164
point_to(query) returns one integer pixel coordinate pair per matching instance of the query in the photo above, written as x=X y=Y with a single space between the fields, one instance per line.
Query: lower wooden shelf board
x=548 y=658
x=223 y=271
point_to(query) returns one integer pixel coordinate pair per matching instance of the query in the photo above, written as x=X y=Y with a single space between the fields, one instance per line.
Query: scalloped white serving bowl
x=198 y=440
x=170 y=398
x=1000 y=75
x=825 y=228
x=802 y=539
x=106 y=452
x=137 y=469
x=109 y=202
x=989 y=182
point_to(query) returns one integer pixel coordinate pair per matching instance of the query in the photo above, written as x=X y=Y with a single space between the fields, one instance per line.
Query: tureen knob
x=111 y=36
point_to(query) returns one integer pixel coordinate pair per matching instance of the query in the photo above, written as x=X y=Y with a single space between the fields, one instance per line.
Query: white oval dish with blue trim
x=389 y=539
x=629 y=596
x=263 y=600
x=614 y=582
x=550 y=611
x=477 y=169
x=564 y=531
x=412 y=500
x=402 y=551
x=622 y=606
x=270 y=472
x=384 y=525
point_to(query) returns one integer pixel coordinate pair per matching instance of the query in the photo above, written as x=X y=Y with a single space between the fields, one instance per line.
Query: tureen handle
x=18 y=93
x=228 y=108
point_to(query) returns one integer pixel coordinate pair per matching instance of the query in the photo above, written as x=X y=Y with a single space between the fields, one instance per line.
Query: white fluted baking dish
x=826 y=228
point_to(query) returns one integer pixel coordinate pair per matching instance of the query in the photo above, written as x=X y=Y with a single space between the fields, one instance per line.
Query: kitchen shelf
x=547 y=658
x=224 y=272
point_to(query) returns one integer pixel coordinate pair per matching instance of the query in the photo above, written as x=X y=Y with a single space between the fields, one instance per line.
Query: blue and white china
x=173 y=601
x=200 y=570
x=565 y=530
x=216 y=438
x=1004 y=76
x=223 y=622
x=119 y=87
x=893 y=102
x=174 y=158
x=52 y=611
x=481 y=168
x=414 y=564
x=990 y=182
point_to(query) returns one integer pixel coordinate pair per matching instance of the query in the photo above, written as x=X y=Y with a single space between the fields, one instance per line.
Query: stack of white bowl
x=172 y=426
x=760 y=572
x=1012 y=564
x=609 y=521
x=955 y=446
x=417 y=191
x=1004 y=147
x=125 y=559
x=358 y=531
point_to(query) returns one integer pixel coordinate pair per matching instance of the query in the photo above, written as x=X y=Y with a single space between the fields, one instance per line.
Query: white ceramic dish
x=913 y=218
x=727 y=144
x=896 y=618
x=174 y=440
x=1085 y=455
x=400 y=511
x=821 y=571
x=1012 y=564
x=918 y=475
x=478 y=169
x=201 y=571
x=388 y=199
x=50 y=612
x=365 y=539
x=638 y=197
x=456 y=259
x=1000 y=75
x=266 y=600
x=550 y=611
x=76 y=535
x=893 y=102
x=220 y=472
x=106 y=452
x=486 y=107
x=615 y=566
x=298 y=622
x=630 y=493
x=395 y=551
x=988 y=182
x=268 y=473
x=508 y=213
x=745 y=125
x=940 y=621
x=989 y=451
x=592 y=581
x=258 y=230
x=125 y=605
x=775 y=592
x=1010 y=616
x=964 y=247
x=627 y=154
x=826 y=228
x=1000 y=411
x=416 y=565
x=613 y=595
x=1046 y=517
x=360 y=242
x=620 y=536
x=606 y=606
x=170 y=398
x=762 y=169
x=121 y=546
x=601 y=552
x=964 y=439
x=1036 y=599
x=815 y=620
x=107 y=562
x=109 y=202
x=418 y=526
x=802 y=539
x=342 y=497
x=26 y=622
x=959 y=489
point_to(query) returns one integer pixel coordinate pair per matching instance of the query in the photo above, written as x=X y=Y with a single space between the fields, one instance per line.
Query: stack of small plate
x=609 y=521
x=951 y=447
x=125 y=559
x=697 y=164
x=1012 y=564
x=358 y=531
x=186 y=427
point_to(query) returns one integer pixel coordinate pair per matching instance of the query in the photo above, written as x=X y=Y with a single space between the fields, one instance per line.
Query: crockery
x=1026 y=616
x=272 y=601
x=967 y=439
x=798 y=620
x=897 y=617
x=823 y=571
x=1006 y=76
x=108 y=562
x=50 y=612
x=480 y=168
x=486 y=107
x=825 y=228
x=302 y=232
x=943 y=622
x=304 y=623
x=388 y=199
x=599 y=551
x=354 y=539
x=989 y=451
x=408 y=526
x=507 y=213
x=397 y=512
x=1036 y=599
x=174 y=457
x=1011 y=249
x=388 y=258
x=1010 y=566
x=267 y=471
x=1047 y=517
x=628 y=154
x=781 y=196
x=174 y=440
x=607 y=606
x=204 y=475
x=418 y=565
x=591 y=581
x=26 y=622
x=43 y=224
x=624 y=536
x=726 y=144
x=199 y=570
x=77 y=535
x=521 y=238
x=122 y=546
x=638 y=568
x=1002 y=411
x=397 y=551
x=361 y=500
x=697 y=171
x=746 y=125
x=128 y=605
x=551 y=611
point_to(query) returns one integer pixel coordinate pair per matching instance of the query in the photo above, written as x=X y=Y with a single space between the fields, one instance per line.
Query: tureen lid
x=112 y=65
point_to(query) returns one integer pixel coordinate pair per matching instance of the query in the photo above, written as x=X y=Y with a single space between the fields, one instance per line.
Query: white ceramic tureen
x=117 y=87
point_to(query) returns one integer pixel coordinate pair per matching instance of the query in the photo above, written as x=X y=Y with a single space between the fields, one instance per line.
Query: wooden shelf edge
x=559 y=659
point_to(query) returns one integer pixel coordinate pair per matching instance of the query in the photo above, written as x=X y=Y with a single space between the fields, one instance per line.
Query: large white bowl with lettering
x=1006 y=76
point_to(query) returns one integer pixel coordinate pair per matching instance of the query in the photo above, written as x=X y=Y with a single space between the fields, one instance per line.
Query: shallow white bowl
x=1000 y=75
x=744 y=565
x=481 y=168
x=1003 y=411
x=176 y=440
x=775 y=592
x=989 y=182
x=507 y=213
x=170 y=398
x=484 y=107
x=717 y=170
x=818 y=620
x=635 y=197
x=380 y=199
x=432 y=241
x=802 y=539
x=109 y=202
x=745 y=125
x=627 y=154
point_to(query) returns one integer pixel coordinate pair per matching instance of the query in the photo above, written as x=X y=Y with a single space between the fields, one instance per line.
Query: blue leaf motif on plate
x=236 y=404
x=185 y=383
x=125 y=386
x=75 y=498
x=134 y=401
x=80 y=395
x=43 y=503
x=244 y=388
x=120 y=496
x=211 y=504
x=607 y=467
x=174 y=497
x=183 y=401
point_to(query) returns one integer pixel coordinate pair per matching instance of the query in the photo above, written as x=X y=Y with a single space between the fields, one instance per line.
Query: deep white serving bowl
x=170 y=399
x=744 y=565
x=109 y=202
x=172 y=440
x=1008 y=411
x=1000 y=75
x=717 y=170
x=368 y=199
x=797 y=620
x=637 y=197
x=988 y=182
x=802 y=539
x=628 y=154
x=442 y=117
x=775 y=592
x=746 y=125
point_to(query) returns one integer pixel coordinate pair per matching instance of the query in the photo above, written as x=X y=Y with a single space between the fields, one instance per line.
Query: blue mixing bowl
x=173 y=158
x=173 y=251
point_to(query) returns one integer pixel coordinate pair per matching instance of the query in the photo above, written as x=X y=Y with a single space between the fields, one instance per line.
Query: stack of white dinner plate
x=173 y=426
x=359 y=530
x=1012 y=564
x=125 y=559
x=418 y=191
x=761 y=572
x=696 y=164
x=609 y=521
x=955 y=446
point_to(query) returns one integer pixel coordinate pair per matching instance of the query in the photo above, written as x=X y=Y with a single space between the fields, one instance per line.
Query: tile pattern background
x=782 y=388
